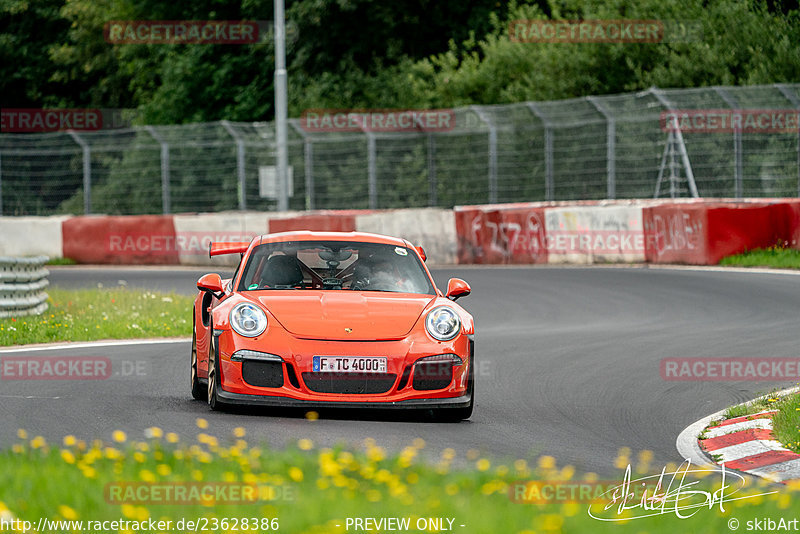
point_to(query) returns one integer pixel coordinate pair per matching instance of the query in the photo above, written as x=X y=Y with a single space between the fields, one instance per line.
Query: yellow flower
x=68 y=457
x=296 y=474
x=163 y=470
x=154 y=432
x=147 y=476
x=67 y=512
x=312 y=415
x=201 y=423
x=119 y=436
x=70 y=441
x=305 y=444
x=239 y=432
x=38 y=442
x=483 y=464
x=172 y=437
x=547 y=462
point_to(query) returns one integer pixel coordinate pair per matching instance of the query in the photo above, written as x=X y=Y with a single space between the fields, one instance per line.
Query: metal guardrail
x=22 y=283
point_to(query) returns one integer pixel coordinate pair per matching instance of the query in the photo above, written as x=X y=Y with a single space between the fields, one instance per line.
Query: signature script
x=669 y=493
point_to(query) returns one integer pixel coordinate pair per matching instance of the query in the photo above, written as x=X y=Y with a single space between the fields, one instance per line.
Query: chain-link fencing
x=619 y=146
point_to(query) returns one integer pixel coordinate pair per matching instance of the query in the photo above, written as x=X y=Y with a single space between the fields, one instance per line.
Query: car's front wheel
x=213 y=379
x=198 y=391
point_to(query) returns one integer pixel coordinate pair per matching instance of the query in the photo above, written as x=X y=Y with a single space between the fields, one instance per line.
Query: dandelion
x=296 y=474
x=239 y=432
x=305 y=444
x=67 y=512
x=201 y=423
x=547 y=462
x=153 y=433
x=119 y=436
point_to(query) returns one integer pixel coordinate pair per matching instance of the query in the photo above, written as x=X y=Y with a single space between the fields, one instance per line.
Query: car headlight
x=443 y=323
x=248 y=320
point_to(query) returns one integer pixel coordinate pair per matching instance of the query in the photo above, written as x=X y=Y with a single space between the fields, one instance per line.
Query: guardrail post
x=166 y=202
x=737 y=144
x=87 y=171
x=611 y=146
x=240 y=162
x=796 y=102
x=549 y=185
x=492 y=152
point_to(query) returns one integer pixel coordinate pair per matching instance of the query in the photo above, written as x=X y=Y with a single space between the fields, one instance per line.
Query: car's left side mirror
x=421 y=252
x=456 y=288
x=210 y=282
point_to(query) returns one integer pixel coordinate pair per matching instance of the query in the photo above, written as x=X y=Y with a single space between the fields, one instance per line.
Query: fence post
x=433 y=186
x=687 y=166
x=433 y=193
x=549 y=186
x=240 y=170
x=611 y=146
x=308 y=163
x=166 y=202
x=483 y=116
x=737 y=144
x=87 y=171
x=372 y=170
x=796 y=102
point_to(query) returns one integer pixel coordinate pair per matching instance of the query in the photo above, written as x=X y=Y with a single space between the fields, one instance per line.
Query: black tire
x=198 y=391
x=213 y=379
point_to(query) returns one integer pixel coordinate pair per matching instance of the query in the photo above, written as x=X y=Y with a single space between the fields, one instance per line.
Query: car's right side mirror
x=210 y=282
x=456 y=288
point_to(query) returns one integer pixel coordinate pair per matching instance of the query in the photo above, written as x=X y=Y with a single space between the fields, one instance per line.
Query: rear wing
x=217 y=249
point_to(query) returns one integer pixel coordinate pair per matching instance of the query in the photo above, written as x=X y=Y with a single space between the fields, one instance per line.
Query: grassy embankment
x=92 y=314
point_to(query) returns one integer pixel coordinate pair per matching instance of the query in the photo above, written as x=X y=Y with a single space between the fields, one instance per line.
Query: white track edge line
x=90 y=344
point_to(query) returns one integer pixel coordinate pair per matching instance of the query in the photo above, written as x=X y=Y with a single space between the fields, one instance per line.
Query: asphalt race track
x=568 y=366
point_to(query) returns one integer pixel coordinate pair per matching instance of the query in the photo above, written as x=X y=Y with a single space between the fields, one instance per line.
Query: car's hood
x=345 y=315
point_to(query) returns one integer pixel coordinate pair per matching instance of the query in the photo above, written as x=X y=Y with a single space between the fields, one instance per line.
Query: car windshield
x=335 y=265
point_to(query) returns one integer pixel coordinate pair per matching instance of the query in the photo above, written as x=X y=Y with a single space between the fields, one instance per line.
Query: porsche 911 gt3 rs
x=332 y=319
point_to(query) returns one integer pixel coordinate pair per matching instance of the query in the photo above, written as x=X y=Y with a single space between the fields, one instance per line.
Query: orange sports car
x=332 y=320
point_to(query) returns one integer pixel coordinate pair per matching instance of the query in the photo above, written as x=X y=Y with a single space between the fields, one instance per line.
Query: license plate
x=349 y=364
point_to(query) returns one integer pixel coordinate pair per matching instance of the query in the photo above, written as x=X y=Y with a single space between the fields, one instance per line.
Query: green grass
x=61 y=261
x=776 y=257
x=786 y=423
x=91 y=314
x=761 y=404
x=311 y=490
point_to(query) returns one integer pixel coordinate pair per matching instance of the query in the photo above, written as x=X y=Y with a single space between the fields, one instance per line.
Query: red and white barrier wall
x=686 y=231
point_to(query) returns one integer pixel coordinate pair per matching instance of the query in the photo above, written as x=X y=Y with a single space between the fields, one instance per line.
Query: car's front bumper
x=292 y=388
x=288 y=402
